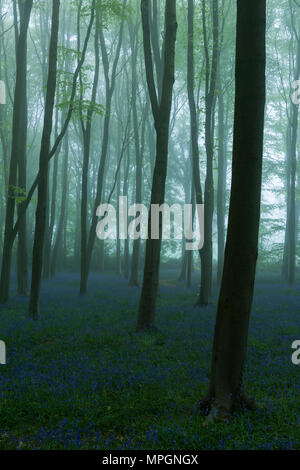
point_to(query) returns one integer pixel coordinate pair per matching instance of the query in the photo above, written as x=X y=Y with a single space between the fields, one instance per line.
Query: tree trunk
x=86 y=133
x=293 y=170
x=134 y=275
x=39 y=235
x=193 y=115
x=161 y=112
x=22 y=255
x=235 y=301
x=221 y=190
x=286 y=256
x=110 y=86
x=211 y=77
x=17 y=149
x=62 y=216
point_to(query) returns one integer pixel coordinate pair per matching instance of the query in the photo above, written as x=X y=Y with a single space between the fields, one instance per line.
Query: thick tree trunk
x=235 y=301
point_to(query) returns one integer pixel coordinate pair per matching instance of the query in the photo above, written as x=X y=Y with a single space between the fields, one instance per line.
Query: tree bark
x=86 y=134
x=13 y=230
x=39 y=235
x=133 y=31
x=221 y=189
x=110 y=86
x=161 y=112
x=293 y=171
x=235 y=301
x=193 y=116
x=62 y=216
x=17 y=149
x=211 y=78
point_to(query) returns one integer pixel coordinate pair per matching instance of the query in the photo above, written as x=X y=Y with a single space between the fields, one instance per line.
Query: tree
x=11 y=230
x=40 y=225
x=110 y=81
x=17 y=152
x=86 y=127
x=133 y=33
x=161 y=109
x=210 y=101
x=226 y=389
x=293 y=135
x=193 y=117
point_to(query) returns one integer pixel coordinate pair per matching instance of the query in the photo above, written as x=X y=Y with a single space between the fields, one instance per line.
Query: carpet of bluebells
x=81 y=378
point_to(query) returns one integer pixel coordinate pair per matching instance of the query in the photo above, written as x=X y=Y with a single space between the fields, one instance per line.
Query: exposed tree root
x=222 y=411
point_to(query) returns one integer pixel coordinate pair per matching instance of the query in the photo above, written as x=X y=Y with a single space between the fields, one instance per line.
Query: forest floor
x=80 y=378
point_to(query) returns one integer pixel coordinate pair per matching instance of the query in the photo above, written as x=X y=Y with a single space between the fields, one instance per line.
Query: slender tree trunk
x=190 y=252
x=235 y=301
x=286 y=257
x=86 y=133
x=193 y=115
x=62 y=216
x=22 y=255
x=17 y=149
x=110 y=86
x=12 y=230
x=39 y=236
x=134 y=276
x=221 y=195
x=125 y=194
x=211 y=77
x=50 y=227
x=293 y=171
x=161 y=112
x=184 y=257
x=3 y=111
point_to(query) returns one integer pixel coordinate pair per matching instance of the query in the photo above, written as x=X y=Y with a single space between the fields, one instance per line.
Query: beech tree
x=18 y=158
x=40 y=224
x=161 y=109
x=227 y=388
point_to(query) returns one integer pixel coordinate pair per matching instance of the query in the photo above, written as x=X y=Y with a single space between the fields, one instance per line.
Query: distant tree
x=193 y=120
x=293 y=138
x=12 y=230
x=211 y=69
x=133 y=33
x=110 y=74
x=86 y=128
